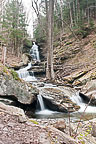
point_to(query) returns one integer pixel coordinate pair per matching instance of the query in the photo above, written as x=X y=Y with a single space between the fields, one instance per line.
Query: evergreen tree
x=14 y=26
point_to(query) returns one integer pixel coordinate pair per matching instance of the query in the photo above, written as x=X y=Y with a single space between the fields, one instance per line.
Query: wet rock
x=38 y=68
x=89 y=91
x=40 y=84
x=17 y=90
x=59 y=99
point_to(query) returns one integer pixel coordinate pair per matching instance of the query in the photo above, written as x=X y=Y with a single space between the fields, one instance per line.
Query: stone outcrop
x=38 y=68
x=20 y=91
x=12 y=110
x=79 y=77
x=89 y=91
x=59 y=99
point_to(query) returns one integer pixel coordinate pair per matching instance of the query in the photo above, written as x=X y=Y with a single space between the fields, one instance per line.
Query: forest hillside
x=48 y=77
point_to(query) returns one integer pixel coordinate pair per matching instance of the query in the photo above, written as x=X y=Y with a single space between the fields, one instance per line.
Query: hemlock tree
x=14 y=26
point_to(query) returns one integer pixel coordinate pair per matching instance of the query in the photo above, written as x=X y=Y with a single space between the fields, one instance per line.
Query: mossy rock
x=33 y=121
x=15 y=75
x=6 y=71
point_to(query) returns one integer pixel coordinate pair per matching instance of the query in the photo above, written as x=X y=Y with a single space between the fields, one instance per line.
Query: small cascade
x=40 y=100
x=43 y=110
x=78 y=100
x=25 y=75
x=34 y=52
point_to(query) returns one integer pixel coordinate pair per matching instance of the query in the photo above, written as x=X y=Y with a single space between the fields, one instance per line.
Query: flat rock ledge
x=58 y=99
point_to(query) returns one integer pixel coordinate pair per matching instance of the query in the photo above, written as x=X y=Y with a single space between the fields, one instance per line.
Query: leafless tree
x=50 y=14
x=36 y=8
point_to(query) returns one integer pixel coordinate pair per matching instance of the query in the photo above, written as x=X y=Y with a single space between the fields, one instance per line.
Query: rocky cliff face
x=16 y=89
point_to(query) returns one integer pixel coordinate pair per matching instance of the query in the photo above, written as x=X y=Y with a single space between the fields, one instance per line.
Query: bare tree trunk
x=50 y=71
x=71 y=19
x=61 y=11
x=77 y=10
x=47 y=11
x=62 y=30
x=88 y=15
x=36 y=9
x=78 y=7
x=74 y=13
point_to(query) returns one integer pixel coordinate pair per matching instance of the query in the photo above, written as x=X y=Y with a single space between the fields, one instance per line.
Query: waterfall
x=78 y=100
x=34 y=52
x=25 y=75
x=40 y=100
x=43 y=110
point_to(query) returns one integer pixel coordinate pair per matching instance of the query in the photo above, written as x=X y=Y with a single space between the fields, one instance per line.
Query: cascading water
x=78 y=100
x=43 y=110
x=34 y=52
x=40 y=100
x=24 y=74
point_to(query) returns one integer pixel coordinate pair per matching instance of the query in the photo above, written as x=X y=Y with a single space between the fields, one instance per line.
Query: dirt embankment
x=75 y=59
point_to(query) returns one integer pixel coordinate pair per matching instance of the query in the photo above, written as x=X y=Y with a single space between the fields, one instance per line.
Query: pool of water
x=74 y=117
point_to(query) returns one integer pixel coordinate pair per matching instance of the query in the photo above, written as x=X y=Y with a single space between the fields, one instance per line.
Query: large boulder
x=12 y=110
x=17 y=90
x=58 y=99
x=89 y=91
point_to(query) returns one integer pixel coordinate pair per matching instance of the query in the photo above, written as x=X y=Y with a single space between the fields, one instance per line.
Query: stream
x=42 y=111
